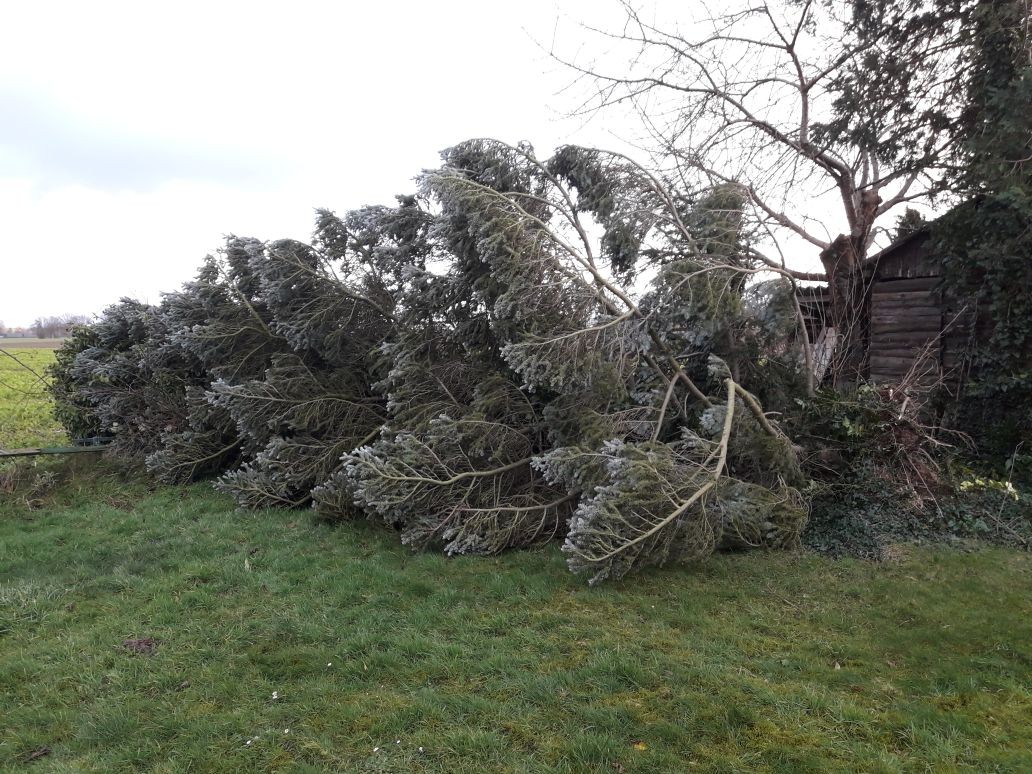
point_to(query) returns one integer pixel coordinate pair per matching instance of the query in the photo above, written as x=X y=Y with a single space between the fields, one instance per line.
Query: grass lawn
x=336 y=649
x=25 y=418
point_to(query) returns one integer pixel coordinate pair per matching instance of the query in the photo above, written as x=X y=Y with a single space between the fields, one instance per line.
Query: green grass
x=758 y=662
x=25 y=417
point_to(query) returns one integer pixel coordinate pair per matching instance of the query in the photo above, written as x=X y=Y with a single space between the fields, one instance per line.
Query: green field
x=25 y=418
x=160 y=629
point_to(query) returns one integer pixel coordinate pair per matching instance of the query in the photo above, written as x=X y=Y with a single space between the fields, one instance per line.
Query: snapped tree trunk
x=849 y=295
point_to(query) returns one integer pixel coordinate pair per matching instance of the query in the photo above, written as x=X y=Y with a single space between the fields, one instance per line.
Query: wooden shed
x=911 y=327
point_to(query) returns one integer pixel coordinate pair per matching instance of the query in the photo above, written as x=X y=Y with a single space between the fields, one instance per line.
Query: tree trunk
x=849 y=296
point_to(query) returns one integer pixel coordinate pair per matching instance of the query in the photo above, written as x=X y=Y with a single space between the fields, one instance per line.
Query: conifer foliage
x=525 y=350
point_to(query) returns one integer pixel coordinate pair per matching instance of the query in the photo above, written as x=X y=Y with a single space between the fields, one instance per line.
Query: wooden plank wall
x=906 y=319
x=813 y=302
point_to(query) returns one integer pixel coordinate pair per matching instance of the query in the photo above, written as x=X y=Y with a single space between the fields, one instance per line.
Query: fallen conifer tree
x=526 y=350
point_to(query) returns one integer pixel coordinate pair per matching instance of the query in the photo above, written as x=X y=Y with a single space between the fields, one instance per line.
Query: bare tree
x=42 y=327
x=755 y=96
x=54 y=327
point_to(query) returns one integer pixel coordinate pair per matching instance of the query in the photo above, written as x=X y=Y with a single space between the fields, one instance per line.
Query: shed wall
x=910 y=327
x=906 y=322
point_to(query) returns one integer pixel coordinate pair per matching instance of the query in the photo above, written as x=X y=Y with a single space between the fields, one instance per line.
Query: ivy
x=987 y=241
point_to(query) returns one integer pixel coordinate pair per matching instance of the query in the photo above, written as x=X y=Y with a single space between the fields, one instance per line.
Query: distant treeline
x=53 y=327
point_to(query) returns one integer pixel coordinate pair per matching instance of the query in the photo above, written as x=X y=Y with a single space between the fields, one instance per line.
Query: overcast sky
x=133 y=136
